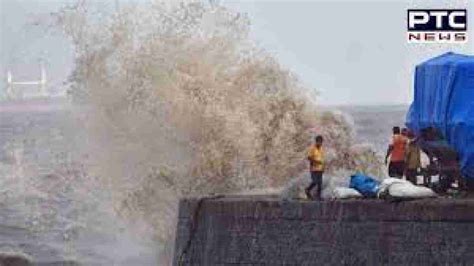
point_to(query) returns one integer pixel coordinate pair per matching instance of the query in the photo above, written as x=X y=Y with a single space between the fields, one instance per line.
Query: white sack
x=387 y=182
x=346 y=193
x=410 y=191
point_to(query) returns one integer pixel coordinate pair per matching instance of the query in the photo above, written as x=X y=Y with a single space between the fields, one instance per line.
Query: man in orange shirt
x=316 y=162
x=396 y=152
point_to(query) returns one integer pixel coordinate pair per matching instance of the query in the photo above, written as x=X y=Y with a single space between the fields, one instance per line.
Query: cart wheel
x=444 y=183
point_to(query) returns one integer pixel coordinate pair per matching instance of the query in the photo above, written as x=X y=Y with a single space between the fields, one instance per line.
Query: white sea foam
x=172 y=101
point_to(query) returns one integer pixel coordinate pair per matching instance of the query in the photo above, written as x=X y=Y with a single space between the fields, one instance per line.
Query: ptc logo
x=437 y=25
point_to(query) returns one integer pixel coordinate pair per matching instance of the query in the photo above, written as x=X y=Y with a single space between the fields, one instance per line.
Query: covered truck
x=444 y=100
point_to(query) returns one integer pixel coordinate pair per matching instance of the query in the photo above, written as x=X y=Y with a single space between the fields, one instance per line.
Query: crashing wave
x=180 y=102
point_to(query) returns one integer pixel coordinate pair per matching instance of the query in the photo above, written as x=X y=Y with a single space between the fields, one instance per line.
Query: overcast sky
x=353 y=52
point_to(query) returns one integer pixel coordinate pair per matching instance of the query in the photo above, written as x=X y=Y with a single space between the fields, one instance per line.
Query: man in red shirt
x=396 y=152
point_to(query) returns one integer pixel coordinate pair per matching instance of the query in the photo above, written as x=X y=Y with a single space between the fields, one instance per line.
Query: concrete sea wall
x=268 y=231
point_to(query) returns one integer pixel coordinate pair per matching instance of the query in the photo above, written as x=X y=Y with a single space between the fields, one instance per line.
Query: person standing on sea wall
x=396 y=152
x=412 y=158
x=316 y=167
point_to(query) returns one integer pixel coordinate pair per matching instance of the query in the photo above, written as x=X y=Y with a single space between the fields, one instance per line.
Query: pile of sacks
x=403 y=189
x=362 y=186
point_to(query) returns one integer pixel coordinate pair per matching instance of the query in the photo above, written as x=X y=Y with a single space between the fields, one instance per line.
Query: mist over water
x=50 y=207
x=168 y=101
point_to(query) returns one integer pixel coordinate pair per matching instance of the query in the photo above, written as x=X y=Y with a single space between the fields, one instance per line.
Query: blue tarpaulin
x=444 y=99
x=366 y=185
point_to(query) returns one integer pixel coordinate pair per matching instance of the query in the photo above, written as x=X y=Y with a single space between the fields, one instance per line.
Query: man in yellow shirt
x=316 y=167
